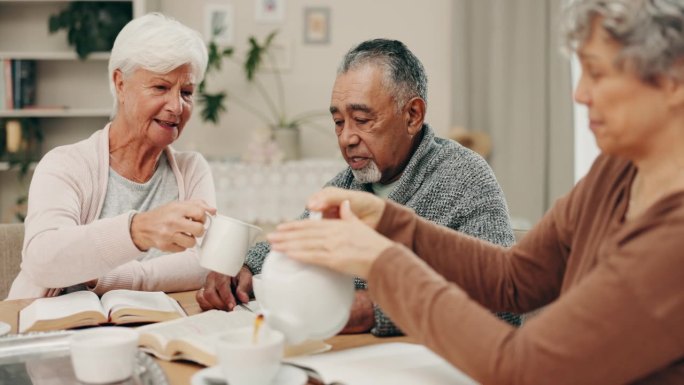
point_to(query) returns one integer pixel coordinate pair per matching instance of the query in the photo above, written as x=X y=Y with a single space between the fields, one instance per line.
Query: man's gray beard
x=369 y=174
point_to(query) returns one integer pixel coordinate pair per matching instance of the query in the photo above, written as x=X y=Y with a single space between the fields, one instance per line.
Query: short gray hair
x=405 y=76
x=156 y=43
x=650 y=31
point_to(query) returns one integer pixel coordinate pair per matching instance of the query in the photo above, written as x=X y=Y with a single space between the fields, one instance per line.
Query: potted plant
x=20 y=147
x=283 y=128
x=92 y=26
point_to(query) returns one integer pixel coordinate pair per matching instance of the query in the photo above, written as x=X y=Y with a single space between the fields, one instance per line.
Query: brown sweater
x=614 y=290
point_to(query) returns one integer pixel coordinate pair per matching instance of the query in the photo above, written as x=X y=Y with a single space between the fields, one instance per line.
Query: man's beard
x=368 y=174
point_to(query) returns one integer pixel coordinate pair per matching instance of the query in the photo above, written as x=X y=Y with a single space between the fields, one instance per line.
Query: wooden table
x=179 y=373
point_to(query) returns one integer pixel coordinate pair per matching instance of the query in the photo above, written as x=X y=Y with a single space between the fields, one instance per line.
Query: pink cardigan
x=65 y=243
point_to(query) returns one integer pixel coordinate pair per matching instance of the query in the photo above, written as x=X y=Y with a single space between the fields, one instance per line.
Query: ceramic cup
x=104 y=355
x=244 y=362
x=225 y=244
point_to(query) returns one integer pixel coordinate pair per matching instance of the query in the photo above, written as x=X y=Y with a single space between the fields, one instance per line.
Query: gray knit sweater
x=445 y=183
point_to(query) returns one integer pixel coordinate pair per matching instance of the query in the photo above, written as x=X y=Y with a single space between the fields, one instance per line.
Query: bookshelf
x=72 y=98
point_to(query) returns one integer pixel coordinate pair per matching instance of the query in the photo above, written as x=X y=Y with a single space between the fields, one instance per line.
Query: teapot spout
x=292 y=331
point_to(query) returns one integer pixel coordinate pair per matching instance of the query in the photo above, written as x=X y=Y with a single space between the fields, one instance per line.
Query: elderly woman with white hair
x=607 y=260
x=122 y=209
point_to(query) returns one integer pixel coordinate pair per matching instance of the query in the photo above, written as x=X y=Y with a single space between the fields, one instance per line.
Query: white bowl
x=104 y=354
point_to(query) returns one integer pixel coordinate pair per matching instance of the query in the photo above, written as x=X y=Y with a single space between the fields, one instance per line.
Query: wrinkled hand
x=362 y=316
x=172 y=227
x=224 y=292
x=346 y=245
x=366 y=206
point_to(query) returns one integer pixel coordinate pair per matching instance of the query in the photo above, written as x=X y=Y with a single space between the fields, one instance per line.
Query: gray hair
x=651 y=32
x=156 y=43
x=404 y=75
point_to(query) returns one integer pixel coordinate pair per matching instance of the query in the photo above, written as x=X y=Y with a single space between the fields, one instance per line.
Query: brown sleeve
x=621 y=322
x=513 y=279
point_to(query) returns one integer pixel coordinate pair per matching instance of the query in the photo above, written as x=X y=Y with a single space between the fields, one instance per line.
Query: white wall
x=425 y=29
x=586 y=149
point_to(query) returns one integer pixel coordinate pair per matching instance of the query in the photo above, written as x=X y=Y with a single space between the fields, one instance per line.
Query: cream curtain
x=511 y=81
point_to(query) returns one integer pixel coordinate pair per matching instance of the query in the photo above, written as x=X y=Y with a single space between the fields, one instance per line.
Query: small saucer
x=4 y=328
x=287 y=375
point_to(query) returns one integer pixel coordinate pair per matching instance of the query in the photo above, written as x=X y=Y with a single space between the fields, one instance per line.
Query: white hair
x=651 y=32
x=159 y=44
x=368 y=174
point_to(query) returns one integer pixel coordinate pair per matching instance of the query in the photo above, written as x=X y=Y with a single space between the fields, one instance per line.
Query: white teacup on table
x=225 y=244
x=245 y=360
x=104 y=355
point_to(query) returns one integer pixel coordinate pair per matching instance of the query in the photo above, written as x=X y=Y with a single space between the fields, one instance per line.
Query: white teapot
x=301 y=300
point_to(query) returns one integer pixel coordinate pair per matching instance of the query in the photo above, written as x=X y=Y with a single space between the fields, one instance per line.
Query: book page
x=395 y=363
x=115 y=300
x=197 y=330
x=55 y=308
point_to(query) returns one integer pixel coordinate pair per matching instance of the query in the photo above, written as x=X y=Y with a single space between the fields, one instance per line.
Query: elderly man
x=378 y=106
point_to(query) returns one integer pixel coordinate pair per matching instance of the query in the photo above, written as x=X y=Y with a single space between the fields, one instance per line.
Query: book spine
x=27 y=72
x=3 y=101
x=7 y=73
x=16 y=86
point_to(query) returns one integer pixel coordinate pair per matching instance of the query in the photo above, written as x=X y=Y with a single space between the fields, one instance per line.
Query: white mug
x=104 y=355
x=225 y=243
x=244 y=361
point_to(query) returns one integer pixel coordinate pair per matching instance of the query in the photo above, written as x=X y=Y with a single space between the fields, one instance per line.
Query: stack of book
x=17 y=84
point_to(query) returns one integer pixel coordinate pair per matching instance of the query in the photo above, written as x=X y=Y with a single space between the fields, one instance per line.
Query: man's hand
x=362 y=317
x=224 y=292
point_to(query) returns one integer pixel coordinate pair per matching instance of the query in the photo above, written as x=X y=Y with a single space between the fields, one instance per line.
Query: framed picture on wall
x=316 y=25
x=219 y=23
x=269 y=11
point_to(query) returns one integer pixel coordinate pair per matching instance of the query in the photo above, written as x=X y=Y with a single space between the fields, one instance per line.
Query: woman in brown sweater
x=607 y=260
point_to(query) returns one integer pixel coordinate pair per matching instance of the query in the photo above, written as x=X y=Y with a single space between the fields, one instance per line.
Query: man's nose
x=348 y=137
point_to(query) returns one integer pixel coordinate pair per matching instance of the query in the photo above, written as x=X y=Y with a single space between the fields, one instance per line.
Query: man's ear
x=415 y=115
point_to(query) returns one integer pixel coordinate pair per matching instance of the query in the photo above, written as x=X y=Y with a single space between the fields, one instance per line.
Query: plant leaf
x=213 y=105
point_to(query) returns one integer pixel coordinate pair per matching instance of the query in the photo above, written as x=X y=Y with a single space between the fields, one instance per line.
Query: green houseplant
x=92 y=26
x=284 y=128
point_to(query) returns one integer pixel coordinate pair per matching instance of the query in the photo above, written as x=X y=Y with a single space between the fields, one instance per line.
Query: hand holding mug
x=172 y=227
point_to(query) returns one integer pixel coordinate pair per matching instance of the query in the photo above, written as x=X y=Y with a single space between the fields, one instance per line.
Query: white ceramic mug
x=244 y=362
x=225 y=244
x=104 y=355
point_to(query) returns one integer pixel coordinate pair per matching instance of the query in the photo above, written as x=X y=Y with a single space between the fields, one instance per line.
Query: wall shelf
x=46 y=55
x=56 y=113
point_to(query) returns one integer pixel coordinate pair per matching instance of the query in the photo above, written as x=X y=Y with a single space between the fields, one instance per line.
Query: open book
x=84 y=308
x=193 y=338
x=394 y=363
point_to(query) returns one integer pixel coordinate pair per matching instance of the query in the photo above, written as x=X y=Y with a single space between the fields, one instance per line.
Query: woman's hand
x=346 y=245
x=172 y=227
x=367 y=207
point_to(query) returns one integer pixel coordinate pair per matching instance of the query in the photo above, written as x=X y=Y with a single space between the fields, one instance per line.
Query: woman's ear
x=415 y=115
x=674 y=86
x=118 y=79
